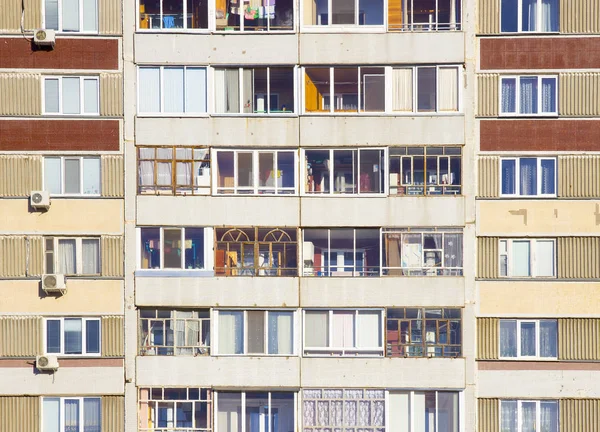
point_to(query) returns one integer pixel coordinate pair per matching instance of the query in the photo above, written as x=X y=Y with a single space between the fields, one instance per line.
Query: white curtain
x=231 y=91
x=91 y=415
x=509 y=95
x=508 y=338
x=180 y=339
x=91 y=256
x=369 y=329
x=184 y=173
x=149 y=90
x=220 y=96
x=548 y=338
x=231 y=332
x=453 y=250
x=72 y=415
x=66 y=256
x=544 y=258
x=51 y=409
x=528 y=417
x=508 y=416
x=70 y=15
x=549 y=16
x=448 y=88
x=73 y=328
x=529 y=17
x=91 y=175
x=52 y=175
x=547 y=174
x=342 y=329
x=520 y=258
x=51 y=96
x=528 y=176
x=146 y=173
x=528 y=99
x=173 y=89
x=527 y=338
x=549 y=416
x=248 y=90
x=90 y=96
x=402 y=88
x=281 y=333
x=90 y=15
x=316 y=329
x=164 y=173
x=70 y=95
x=195 y=90
x=548 y=95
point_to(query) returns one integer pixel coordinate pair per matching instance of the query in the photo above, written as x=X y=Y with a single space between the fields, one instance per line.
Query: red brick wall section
x=540 y=53
x=18 y=53
x=61 y=135
x=542 y=135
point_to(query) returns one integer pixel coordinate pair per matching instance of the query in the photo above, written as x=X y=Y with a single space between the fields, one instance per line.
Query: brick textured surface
x=540 y=53
x=67 y=54
x=546 y=135
x=61 y=135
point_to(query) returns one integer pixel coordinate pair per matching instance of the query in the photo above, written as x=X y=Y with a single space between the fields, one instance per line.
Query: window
x=256 y=252
x=423 y=252
x=418 y=411
x=256 y=332
x=69 y=414
x=172 y=90
x=267 y=90
x=424 y=15
x=71 y=15
x=529 y=16
x=173 y=14
x=72 y=175
x=344 y=171
x=527 y=258
x=174 y=332
x=427 y=89
x=425 y=170
x=72 y=256
x=529 y=415
x=73 y=336
x=337 y=13
x=529 y=339
x=71 y=95
x=261 y=15
x=343 y=332
x=529 y=95
x=161 y=248
x=347 y=408
x=171 y=409
x=528 y=176
x=256 y=411
x=173 y=170
x=341 y=252
x=417 y=332
x=253 y=172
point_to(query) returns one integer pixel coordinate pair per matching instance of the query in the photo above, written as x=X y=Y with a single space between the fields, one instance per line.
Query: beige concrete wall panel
x=489 y=17
x=110 y=17
x=579 y=176
x=579 y=16
x=113 y=413
x=578 y=257
x=487 y=257
x=488 y=176
x=33 y=15
x=13 y=256
x=20 y=336
x=488 y=415
x=35 y=253
x=111 y=94
x=20 y=413
x=579 y=339
x=487 y=95
x=579 y=415
x=112 y=176
x=19 y=175
x=112 y=336
x=579 y=94
x=20 y=94
x=487 y=338
x=112 y=256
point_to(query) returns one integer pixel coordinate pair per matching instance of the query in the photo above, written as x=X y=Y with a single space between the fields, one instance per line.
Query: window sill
x=528 y=116
x=383 y=114
x=173 y=273
x=172 y=115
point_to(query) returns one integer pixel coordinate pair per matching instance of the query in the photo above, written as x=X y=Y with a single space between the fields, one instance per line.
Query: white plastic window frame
x=84 y=320
x=538 y=424
x=81 y=175
x=208 y=249
x=61 y=417
x=78 y=255
x=82 y=79
x=70 y=32
x=245 y=353
x=517 y=182
x=210 y=10
x=411 y=424
x=517 y=101
x=161 y=92
x=346 y=28
x=331 y=192
x=508 y=253
x=537 y=356
x=255 y=189
x=353 y=351
x=538 y=24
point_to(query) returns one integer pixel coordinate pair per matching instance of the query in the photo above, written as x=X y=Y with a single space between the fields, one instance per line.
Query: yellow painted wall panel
x=579 y=415
x=579 y=94
x=487 y=95
x=488 y=415
x=35 y=249
x=579 y=175
x=20 y=336
x=113 y=413
x=13 y=256
x=20 y=94
x=20 y=175
x=112 y=256
x=487 y=257
x=488 y=178
x=112 y=176
x=487 y=338
x=489 y=17
x=110 y=18
x=579 y=339
x=112 y=336
x=20 y=414
x=579 y=16
x=578 y=257
x=111 y=94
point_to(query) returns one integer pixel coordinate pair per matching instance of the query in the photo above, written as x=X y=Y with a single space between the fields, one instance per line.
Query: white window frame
x=255 y=189
x=61 y=414
x=78 y=255
x=538 y=24
x=209 y=28
x=82 y=79
x=161 y=91
x=516 y=180
x=84 y=320
x=81 y=175
x=331 y=192
x=537 y=355
x=532 y=257
x=354 y=351
x=353 y=28
x=410 y=422
x=68 y=32
x=517 y=112
x=208 y=249
x=215 y=326
x=538 y=412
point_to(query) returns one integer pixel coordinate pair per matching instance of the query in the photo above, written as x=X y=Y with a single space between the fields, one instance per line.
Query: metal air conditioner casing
x=54 y=283
x=46 y=362
x=43 y=37
x=40 y=199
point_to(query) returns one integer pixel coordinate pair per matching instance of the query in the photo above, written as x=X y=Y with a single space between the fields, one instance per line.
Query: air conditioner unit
x=54 y=283
x=308 y=252
x=40 y=200
x=46 y=362
x=43 y=37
